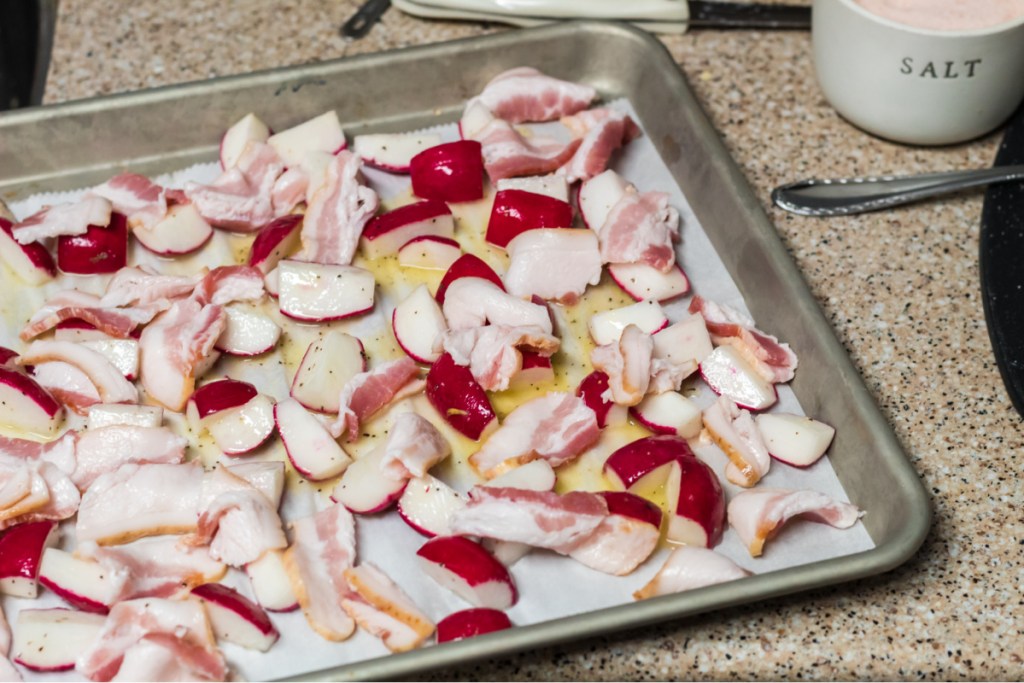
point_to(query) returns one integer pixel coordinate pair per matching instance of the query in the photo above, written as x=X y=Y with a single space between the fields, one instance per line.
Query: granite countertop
x=900 y=289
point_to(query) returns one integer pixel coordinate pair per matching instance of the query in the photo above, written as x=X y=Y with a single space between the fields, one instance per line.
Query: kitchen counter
x=900 y=288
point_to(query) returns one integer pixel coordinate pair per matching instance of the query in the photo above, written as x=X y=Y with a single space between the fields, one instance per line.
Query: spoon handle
x=844 y=196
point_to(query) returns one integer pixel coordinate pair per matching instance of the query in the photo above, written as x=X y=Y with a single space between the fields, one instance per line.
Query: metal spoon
x=845 y=196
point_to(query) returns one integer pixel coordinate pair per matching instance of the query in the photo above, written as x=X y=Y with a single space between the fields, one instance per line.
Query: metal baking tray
x=80 y=143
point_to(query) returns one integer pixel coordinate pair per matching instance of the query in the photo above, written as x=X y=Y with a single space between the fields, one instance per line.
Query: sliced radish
x=598 y=195
x=393 y=152
x=26 y=406
x=669 y=413
x=459 y=398
x=592 y=390
x=50 y=640
x=644 y=464
x=317 y=292
x=272 y=283
x=471 y=622
x=516 y=211
x=311 y=449
x=182 y=231
x=110 y=414
x=633 y=506
x=99 y=250
x=248 y=332
x=642 y=281
x=235 y=618
x=270 y=583
x=606 y=327
x=365 y=489
x=417 y=323
x=536 y=370
x=696 y=504
x=429 y=253
x=84 y=584
x=276 y=240
x=474 y=118
x=326 y=367
x=450 y=172
x=31 y=262
x=241 y=430
x=21 y=556
x=123 y=354
x=427 y=505
x=214 y=397
x=320 y=134
x=554 y=186
x=467 y=265
x=684 y=342
x=795 y=439
x=536 y=475
x=385 y=234
x=247 y=129
x=730 y=375
x=468 y=570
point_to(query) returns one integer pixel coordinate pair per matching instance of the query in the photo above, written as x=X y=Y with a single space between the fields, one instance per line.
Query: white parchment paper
x=550 y=586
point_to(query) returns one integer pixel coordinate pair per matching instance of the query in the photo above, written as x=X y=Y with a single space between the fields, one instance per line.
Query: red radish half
x=99 y=250
x=235 y=618
x=21 y=556
x=669 y=413
x=536 y=370
x=642 y=281
x=696 y=504
x=591 y=390
x=31 y=262
x=247 y=332
x=729 y=375
x=459 y=398
x=241 y=430
x=270 y=583
x=468 y=570
x=50 y=640
x=606 y=327
x=365 y=489
x=276 y=240
x=516 y=211
x=385 y=234
x=427 y=505
x=684 y=342
x=393 y=151
x=794 y=439
x=633 y=506
x=554 y=186
x=247 y=129
x=26 y=406
x=326 y=367
x=319 y=134
x=645 y=463
x=467 y=265
x=418 y=323
x=451 y=172
x=222 y=394
x=7 y=355
x=181 y=231
x=317 y=292
x=84 y=584
x=471 y=622
x=312 y=450
x=429 y=253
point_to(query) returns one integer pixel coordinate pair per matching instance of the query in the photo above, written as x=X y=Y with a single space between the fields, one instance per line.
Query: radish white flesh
x=266 y=476
x=276 y=240
x=248 y=128
x=235 y=618
x=427 y=505
x=554 y=186
x=326 y=367
x=123 y=354
x=51 y=639
x=685 y=341
x=696 y=514
x=272 y=282
x=536 y=475
x=320 y=134
x=606 y=327
x=270 y=583
x=729 y=375
x=644 y=464
x=71 y=331
x=84 y=584
x=393 y=152
x=108 y=414
x=181 y=231
x=642 y=281
x=429 y=252
x=387 y=233
x=31 y=262
x=468 y=570
x=670 y=413
x=26 y=406
x=795 y=439
x=417 y=323
x=364 y=488
x=248 y=332
x=598 y=195
x=317 y=292
x=243 y=429
x=312 y=450
x=473 y=120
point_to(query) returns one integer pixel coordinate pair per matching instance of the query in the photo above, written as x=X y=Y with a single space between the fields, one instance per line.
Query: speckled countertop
x=900 y=289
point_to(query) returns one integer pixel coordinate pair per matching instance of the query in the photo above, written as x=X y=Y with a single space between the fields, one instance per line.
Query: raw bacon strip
x=414 y=446
x=507 y=154
x=155 y=658
x=554 y=264
x=736 y=433
x=289 y=190
x=174 y=346
x=757 y=515
x=15 y=452
x=627 y=364
x=22 y=491
x=525 y=94
x=668 y=376
x=368 y=392
x=180 y=626
x=556 y=427
x=139 y=287
x=241 y=199
x=228 y=284
x=337 y=213
x=474 y=302
x=136 y=196
x=640 y=228
x=382 y=608
x=542 y=519
x=103 y=450
x=154 y=568
x=74 y=305
x=110 y=383
x=688 y=568
x=323 y=547
x=774 y=361
x=70 y=386
x=63 y=219
x=618 y=545
x=603 y=131
x=493 y=353
x=140 y=500
x=240 y=526
x=52 y=496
